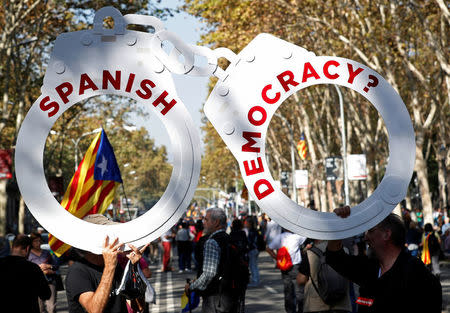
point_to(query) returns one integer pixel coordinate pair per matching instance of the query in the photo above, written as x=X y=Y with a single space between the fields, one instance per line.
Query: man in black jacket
x=394 y=281
x=22 y=280
x=214 y=275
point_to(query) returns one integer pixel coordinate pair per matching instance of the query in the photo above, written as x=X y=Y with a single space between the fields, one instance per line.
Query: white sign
x=356 y=166
x=240 y=107
x=84 y=65
x=301 y=179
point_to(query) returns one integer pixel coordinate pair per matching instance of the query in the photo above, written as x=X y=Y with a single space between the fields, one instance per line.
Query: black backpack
x=260 y=242
x=233 y=273
x=433 y=244
x=238 y=266
x=330 y=285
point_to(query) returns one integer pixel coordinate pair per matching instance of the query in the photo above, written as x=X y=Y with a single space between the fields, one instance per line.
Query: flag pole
x=126 y=201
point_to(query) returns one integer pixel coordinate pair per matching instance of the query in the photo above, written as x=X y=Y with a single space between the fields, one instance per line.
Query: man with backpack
x=288 y=257
x=393 y=281
x=431 y=249
x=216 y=282
x=326 y=291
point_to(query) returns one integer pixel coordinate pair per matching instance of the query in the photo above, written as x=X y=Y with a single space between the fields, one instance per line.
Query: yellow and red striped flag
x=93 y=185
x=302 y=148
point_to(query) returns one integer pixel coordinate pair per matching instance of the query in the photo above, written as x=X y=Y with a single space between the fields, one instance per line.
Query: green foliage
x=406 y=42
x=28 y=31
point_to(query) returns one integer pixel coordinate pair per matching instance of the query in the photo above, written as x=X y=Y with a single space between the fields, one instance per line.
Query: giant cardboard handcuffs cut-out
x=265 y=73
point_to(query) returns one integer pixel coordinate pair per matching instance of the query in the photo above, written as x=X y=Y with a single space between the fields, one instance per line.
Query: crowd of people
x=397 y=259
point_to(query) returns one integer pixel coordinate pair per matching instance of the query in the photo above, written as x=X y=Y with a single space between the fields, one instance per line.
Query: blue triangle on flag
x=105 y=167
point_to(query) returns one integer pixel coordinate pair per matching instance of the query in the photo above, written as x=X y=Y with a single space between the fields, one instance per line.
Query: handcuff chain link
x=189 y=53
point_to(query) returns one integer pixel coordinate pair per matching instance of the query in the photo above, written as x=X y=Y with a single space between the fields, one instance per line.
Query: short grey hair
x=218 y=215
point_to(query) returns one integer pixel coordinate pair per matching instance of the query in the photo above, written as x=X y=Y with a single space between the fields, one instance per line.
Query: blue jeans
x=253 y=264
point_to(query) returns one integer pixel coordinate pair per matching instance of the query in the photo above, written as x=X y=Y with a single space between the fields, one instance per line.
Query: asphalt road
x=268 y=297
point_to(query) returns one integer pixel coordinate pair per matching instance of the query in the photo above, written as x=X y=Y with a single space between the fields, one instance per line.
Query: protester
x=253 y=252
x=431 y=249
x=419 y=217
x=4 y=247
x=166 y=240
x=153 y=251
x=393 y=281
x=413 y=239
x=262 y=222
x=39 y=256
x=198 y=233
x=293 y=293
x=447 y=241
x=90 y=282
x=23 y=281
x=446 y=225
x=308 y=276
x=272 y=230
x=212 y=282
x=184 y=248
x=239 y=239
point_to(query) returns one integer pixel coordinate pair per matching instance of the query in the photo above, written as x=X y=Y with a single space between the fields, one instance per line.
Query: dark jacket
x=24 y=281
x=407 y=287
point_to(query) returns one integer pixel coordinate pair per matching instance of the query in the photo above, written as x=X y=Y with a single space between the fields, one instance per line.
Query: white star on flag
x=103 y=165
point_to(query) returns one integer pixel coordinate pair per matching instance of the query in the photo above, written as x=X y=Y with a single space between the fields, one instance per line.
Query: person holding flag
x=302 y=148
x=93 y=185
x=92 y=280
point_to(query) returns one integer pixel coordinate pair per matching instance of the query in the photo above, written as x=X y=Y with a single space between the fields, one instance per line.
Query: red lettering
x=266 y=98
x=130 y=82
x=253 y=169
x=248 y=147
x=327 y=73
x=309 y=71
x=86 y=83
x=266 y=192
x=263 y=115
x=107 y=77
x=352 y=74
x=53 y=106
x=290 y=81
x=167 y=105
x=144 y=85
x=64 y=94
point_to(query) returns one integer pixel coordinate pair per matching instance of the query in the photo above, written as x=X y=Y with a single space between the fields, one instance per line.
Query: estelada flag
x=189 y=303
x=301 y=147
x=93 y=185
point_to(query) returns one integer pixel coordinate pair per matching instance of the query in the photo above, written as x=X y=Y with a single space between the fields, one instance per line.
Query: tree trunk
x=442 y=183
x=323 y=195
x=317 y=202
x=331 y=204
x=21 y=219
x=3 y=201
x=408 y=201
x=422 y=177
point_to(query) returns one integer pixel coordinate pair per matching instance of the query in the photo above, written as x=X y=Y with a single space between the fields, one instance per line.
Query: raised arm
x=95 y=302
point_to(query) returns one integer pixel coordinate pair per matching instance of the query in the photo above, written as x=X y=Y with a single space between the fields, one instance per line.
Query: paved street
x=268 y=297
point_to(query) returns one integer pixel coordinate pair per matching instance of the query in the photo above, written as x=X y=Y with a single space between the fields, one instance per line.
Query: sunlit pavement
x=267 y=297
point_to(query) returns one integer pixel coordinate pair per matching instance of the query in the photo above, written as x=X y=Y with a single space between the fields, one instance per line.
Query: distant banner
x=356 y=165
x=334 y=168
x=5 y=164
x=301 y=179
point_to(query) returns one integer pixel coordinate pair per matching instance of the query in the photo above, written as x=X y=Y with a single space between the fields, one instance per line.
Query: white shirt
x=272 y=230
x=292 y=242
